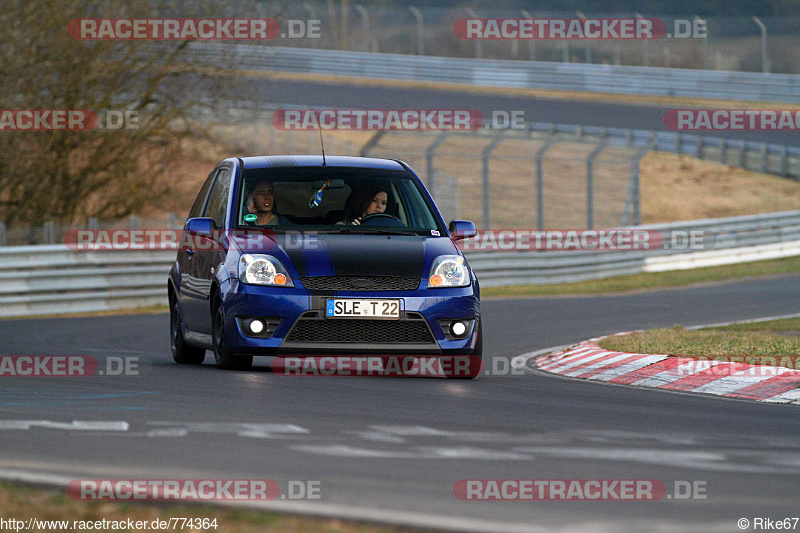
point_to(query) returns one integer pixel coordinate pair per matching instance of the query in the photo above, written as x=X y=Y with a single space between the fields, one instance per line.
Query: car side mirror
x=200 y=226
x=462 y=229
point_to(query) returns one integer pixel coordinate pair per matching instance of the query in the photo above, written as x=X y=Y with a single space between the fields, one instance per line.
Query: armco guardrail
x=713 y=84
x=53 y=279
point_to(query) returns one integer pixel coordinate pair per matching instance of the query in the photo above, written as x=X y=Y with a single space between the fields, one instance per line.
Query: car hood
x=310 y=255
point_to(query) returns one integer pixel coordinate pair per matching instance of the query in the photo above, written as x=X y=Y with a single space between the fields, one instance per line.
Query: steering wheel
x=381 y=219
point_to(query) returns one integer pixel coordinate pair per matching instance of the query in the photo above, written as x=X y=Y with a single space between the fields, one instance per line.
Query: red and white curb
x=588 y=360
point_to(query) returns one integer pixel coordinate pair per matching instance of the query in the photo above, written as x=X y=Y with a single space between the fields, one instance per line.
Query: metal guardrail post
x=540 y=179
x=763 y=158
x=430 y=171
x=487 y=153
x=723 y=156
x=700 y=147
x=371 y=143
x=94 y=223
x=601 y=144
x=134 y=222
x=2 y=234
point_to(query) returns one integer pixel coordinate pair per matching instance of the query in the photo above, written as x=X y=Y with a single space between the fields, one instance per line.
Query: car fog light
x=256 y=326
x=458 y=329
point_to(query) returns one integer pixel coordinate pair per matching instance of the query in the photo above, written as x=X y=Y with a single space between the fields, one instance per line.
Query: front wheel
x=224 y=358
x=182 y=353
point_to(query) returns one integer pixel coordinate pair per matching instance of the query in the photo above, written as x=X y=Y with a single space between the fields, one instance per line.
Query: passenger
x=371 y=201
x=261 y=202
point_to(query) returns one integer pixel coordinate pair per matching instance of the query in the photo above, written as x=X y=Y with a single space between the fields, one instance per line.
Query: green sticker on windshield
x=250 y=218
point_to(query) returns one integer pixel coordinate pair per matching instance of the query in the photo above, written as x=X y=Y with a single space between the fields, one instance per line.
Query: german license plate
x=362 y=308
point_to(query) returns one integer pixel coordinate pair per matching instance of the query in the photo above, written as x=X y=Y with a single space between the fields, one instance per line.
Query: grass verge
x=772 y=343
x=653 y=280
x=23 y=502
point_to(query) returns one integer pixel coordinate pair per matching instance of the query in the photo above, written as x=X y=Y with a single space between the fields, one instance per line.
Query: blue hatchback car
x=306 y=255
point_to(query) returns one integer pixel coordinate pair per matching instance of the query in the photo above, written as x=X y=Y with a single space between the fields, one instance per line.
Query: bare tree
x=66 y=176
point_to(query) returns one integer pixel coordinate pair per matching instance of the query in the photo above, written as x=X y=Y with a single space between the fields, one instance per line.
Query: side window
x=217 y=205
x=197 y=208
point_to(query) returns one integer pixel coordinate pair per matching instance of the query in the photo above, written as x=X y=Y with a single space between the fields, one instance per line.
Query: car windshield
x=354 y=200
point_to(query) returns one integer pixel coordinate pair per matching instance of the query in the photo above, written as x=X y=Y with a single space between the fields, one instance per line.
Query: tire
x=222 y=355
x=182 y=353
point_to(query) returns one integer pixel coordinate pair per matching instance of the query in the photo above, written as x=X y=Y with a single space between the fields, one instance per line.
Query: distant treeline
x=704 y=8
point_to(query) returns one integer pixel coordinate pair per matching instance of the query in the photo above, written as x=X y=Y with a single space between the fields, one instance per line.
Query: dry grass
x=683 y=188
x=770 y=343
x=23 y=502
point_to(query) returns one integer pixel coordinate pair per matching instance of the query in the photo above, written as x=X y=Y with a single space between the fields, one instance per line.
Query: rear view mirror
x=334 y=184
x=200 y=225
x=462 y=229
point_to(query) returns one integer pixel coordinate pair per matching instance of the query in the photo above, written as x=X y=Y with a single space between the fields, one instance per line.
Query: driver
x=372 y=200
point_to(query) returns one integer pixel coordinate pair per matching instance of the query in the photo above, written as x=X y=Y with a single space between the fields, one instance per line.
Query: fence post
x=430 y=171
x=700 y=147
x=134 y=222
x=723 y=154
x=420 y=30
x=540 y=180
x=487 y=153
x=763 y=158
x=472 y=14
x=94 y=223
x=371 y=143
x=743 y=155
x=2 y=233
x=634 y=193
x=784 y=162
x=49 y=229
x=601 y=144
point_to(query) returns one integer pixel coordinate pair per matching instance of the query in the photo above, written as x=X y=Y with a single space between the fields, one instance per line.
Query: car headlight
x=448 y=271
x=256 y=269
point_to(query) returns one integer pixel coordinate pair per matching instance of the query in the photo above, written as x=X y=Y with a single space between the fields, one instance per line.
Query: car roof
x=274 y=161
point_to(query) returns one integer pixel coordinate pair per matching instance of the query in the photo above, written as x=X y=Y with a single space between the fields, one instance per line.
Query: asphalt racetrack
x=393 y=448
x=535 y=109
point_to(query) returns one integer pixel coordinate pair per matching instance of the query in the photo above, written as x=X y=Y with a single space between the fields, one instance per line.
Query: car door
x=207 y=255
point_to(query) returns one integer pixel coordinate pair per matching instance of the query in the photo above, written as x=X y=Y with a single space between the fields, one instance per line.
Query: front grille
x=309 y=328
x=366 y=283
